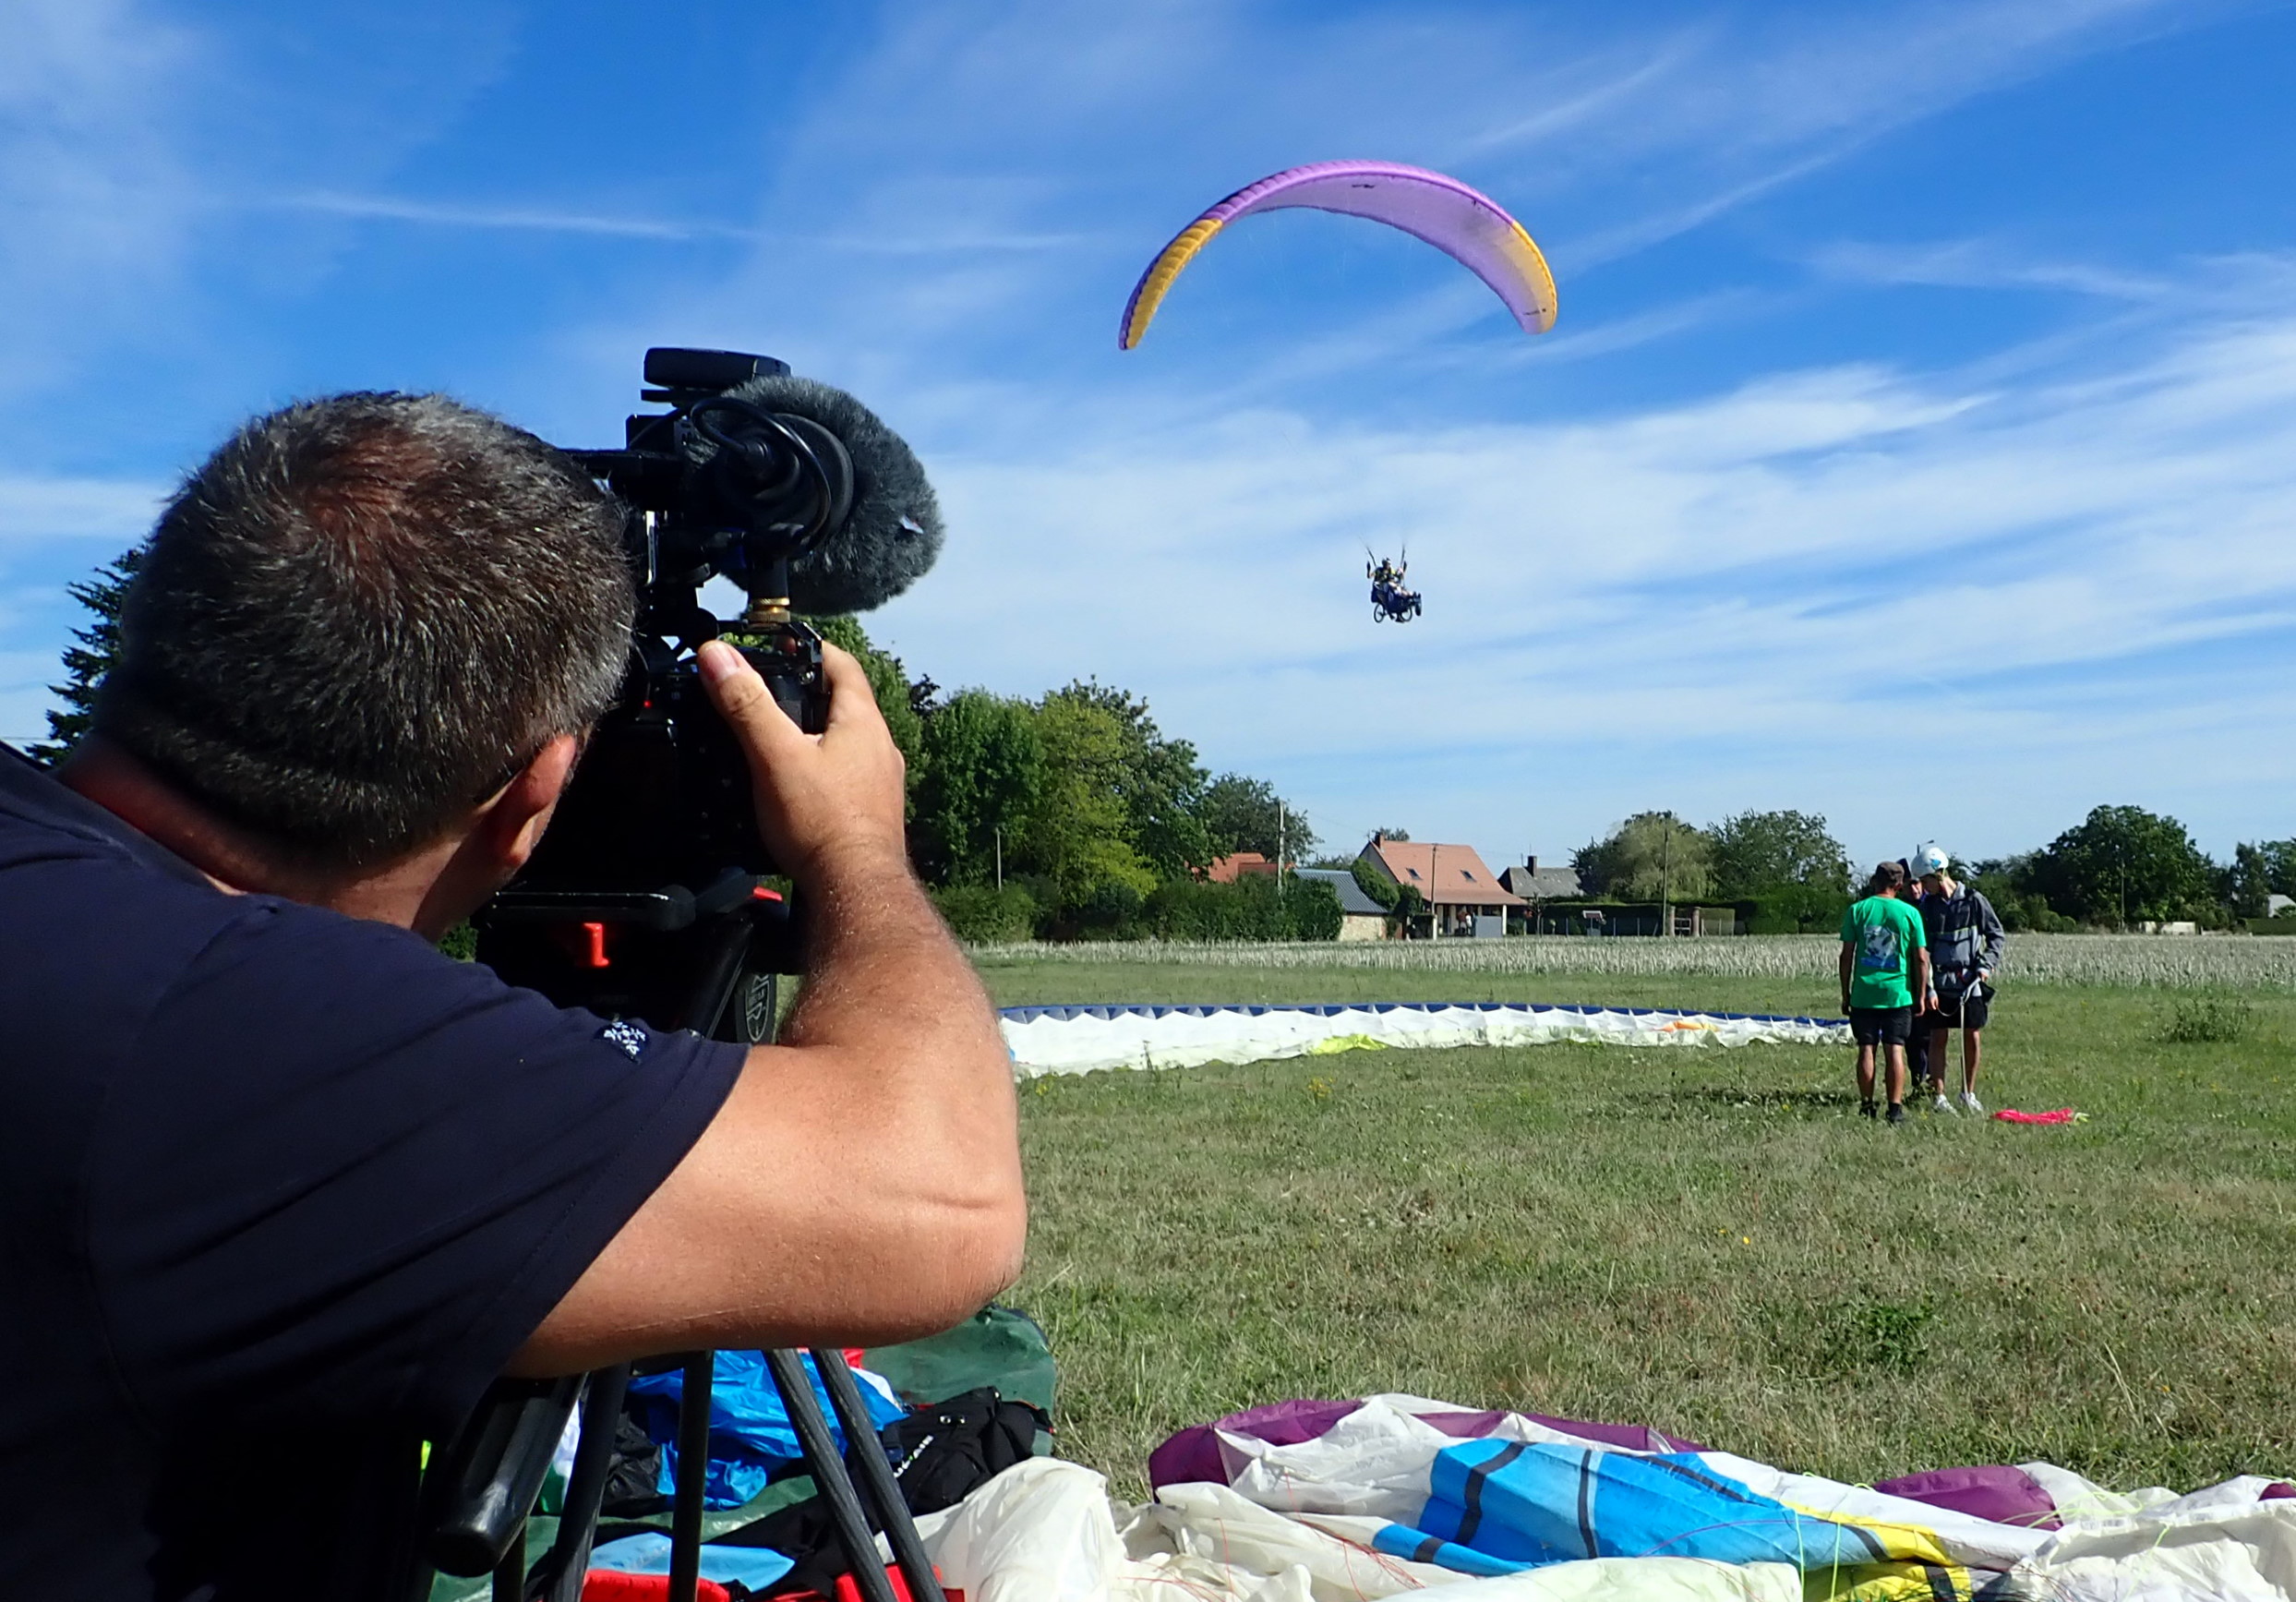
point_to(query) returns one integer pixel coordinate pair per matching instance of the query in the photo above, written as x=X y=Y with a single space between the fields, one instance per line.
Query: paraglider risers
x=480 y=1489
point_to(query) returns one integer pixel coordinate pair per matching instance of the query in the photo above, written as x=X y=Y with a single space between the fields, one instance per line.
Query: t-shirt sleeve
x=1849 y=925
x=348 y=1176
x=1918 y=936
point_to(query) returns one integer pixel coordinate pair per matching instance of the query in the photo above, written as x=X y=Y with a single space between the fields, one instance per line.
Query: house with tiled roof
x=1463 y=896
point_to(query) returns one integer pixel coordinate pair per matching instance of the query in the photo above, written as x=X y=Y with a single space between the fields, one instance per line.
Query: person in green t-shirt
x=1885 y=974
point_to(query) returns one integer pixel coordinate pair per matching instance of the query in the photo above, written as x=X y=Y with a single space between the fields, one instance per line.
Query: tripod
x=708 y=961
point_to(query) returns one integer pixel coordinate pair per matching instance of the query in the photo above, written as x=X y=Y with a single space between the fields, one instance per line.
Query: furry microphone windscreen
x=893 y=532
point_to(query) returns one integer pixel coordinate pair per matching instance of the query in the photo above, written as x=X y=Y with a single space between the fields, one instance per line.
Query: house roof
x=1545 y=885
x=1445 y=875
x=1227 y=868
x=1352 y=900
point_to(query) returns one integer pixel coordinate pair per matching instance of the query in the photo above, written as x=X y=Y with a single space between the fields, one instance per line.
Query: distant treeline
x=2119 y=867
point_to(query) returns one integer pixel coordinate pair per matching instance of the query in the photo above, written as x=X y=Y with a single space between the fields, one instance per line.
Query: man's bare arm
x=862 y=1182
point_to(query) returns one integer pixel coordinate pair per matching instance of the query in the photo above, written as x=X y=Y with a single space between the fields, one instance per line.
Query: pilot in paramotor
x=1392 y=600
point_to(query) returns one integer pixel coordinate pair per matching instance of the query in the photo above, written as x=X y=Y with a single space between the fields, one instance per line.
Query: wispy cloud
x=1805 y=556
x=1986 y=264
x=41 y=508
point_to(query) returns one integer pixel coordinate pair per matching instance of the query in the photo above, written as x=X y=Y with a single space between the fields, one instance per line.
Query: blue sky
x=1917 y=444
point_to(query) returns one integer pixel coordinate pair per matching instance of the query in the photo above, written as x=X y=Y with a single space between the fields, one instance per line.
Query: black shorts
x=1963 y=1012
x=1880 y=1025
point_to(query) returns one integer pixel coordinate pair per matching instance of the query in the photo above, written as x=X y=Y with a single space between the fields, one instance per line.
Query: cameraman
x=281 y=1188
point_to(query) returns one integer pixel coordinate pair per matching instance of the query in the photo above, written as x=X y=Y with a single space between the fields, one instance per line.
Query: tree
x=1078 y=828
x=1650 y=856
x=1246 y=815
x=86 y=663
x=1157 y=782
x=2260 y=871
x=984 y=760
x=1392 y=834
x=2124 y=864
x=888 y=681
x=1374 y=883
x=1762 y=852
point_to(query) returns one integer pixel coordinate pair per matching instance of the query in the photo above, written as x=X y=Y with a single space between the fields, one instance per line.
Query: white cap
x=1930 y=859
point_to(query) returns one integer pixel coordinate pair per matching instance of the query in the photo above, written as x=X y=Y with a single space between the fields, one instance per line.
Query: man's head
x=1888 y=879
x=361 y=618
x=1934 y=866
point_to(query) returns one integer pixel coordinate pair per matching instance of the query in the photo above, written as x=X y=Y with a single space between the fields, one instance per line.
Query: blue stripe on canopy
x=1498 y=1506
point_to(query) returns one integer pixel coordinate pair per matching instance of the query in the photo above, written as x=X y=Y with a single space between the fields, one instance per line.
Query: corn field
x=2161 y=962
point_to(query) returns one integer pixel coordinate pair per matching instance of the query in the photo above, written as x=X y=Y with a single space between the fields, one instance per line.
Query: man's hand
x=818 y=796
x=862 y=1183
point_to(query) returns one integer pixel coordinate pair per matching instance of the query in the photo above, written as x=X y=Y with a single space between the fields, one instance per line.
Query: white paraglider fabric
x=1318 y=1521
x=1078 y=1039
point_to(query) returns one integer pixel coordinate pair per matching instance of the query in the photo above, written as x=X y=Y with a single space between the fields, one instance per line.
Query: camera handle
x=479 y=1495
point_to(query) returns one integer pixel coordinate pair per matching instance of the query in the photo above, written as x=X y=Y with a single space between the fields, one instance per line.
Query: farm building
x=1536 y=885
x=1229 y=869
x=1361 y=918
x=1464 y=898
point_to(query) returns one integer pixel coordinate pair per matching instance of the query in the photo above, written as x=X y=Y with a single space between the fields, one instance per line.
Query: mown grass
x=1707 y=1240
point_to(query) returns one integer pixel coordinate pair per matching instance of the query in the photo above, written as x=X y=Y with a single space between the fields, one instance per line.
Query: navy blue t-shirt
x=281 y=1191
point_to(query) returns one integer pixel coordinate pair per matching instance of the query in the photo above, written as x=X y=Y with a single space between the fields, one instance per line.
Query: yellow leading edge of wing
x=1544 y=277
x=1177 y=255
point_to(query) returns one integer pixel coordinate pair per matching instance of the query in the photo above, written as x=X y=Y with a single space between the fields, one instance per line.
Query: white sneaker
x=1969 y=1099
x=1941 y=1104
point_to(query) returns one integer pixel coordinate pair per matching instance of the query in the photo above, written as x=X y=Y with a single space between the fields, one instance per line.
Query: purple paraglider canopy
x=1460 y=221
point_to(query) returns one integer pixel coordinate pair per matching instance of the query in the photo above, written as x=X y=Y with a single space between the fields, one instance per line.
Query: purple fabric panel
x=1195 y=1454
x=1326 y=175
x=2275 y=1490
x=1188 y=1457
x=2004 y=1494
x=1466 y=225
x=1198 y=1454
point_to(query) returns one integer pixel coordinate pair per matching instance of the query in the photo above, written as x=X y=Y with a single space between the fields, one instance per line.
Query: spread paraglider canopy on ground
x=1468 y=225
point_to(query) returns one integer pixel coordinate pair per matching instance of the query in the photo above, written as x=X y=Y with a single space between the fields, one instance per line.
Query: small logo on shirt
x=626 y=1035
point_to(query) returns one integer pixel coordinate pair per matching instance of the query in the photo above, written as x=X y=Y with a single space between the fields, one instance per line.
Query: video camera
x=646 y=898
x=784 y=486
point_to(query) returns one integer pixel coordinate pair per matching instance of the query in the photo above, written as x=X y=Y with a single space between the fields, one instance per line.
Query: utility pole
x=1278 y=848
x=1000 y=859
x=1666 y=880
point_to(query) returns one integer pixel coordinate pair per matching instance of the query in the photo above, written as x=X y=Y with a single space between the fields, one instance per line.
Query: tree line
x=2119 y=867
x=1069 y=815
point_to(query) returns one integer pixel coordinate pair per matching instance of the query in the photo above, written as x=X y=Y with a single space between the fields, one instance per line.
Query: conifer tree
x=86 y=663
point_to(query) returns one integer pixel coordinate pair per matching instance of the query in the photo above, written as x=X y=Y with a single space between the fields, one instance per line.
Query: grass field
x=1707 y=1240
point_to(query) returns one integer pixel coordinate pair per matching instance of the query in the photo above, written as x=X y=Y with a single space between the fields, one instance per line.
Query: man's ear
x=511 y=824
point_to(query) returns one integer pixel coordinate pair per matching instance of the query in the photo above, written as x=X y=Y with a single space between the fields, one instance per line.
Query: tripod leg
x=558 y=1578
x=828 y=1471
x=510 y=1575
x=693 y=1469
x=876 y=1475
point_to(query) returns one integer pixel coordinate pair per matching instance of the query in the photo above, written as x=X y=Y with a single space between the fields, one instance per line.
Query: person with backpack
x=1967 y=943
x=1885 y=974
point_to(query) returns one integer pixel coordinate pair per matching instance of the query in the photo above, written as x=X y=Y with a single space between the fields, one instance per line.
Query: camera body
x=655 y=840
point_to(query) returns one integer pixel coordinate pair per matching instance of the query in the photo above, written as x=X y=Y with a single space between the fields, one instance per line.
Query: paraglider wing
x=1457 y=220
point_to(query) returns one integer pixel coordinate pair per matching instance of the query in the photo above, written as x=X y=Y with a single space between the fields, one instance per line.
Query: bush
x=981 y=912
x=2209 y=1020
x=1248 y=910
x=1792 y=910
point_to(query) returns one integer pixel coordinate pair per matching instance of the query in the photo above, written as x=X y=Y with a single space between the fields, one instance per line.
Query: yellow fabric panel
x=1177 y=255
x=1908 y=1543
x=1542 y=275
x=1889 y=1582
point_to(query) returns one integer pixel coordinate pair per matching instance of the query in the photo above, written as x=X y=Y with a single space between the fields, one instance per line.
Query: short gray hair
x=361 y=616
